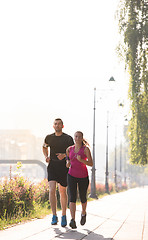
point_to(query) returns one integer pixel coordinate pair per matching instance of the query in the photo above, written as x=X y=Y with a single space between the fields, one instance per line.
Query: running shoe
x=83 y=219
x=72 y=224
x=63 y=221
x=54 y=220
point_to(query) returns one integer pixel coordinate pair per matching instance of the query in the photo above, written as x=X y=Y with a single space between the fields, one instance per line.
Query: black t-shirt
x=58 y=144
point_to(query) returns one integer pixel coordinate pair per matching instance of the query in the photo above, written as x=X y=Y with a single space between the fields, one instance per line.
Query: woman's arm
x=67 y=158
x=89 y=161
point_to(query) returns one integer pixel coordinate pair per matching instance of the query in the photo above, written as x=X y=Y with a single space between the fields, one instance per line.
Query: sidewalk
x=122 y=216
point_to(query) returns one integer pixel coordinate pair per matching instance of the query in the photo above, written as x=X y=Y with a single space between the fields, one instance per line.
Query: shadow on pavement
x=74 y=234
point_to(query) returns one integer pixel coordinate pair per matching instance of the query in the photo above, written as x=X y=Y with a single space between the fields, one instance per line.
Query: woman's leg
x=84 y=205
x=72 y=193
x=83 y=186
x=72 y=207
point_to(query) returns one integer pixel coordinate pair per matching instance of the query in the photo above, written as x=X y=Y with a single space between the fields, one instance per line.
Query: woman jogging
x=78 y=156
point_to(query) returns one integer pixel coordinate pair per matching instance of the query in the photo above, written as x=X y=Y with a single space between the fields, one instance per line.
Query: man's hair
x=59 y=119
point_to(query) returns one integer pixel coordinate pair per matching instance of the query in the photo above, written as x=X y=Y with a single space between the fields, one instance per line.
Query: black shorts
x=57 y=171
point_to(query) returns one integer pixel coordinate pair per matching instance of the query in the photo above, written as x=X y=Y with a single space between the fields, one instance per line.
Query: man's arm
x=45 y=152
x=61 y=156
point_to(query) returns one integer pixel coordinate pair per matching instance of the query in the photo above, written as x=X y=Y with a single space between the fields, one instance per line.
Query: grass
x=40 y=211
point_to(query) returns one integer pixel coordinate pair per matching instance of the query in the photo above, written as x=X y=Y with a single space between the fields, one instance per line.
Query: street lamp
x=93 y=177
x=112 y=79
x=121 y=105
x=106 y=172
x=115 y=169
x=125 y=147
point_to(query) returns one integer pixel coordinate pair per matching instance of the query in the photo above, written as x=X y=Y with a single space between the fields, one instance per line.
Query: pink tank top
x=77 y=169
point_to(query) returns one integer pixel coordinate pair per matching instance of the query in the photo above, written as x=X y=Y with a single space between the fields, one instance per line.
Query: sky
x=52 y=56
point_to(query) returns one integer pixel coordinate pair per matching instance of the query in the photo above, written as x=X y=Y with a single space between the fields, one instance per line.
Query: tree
x=133 y=27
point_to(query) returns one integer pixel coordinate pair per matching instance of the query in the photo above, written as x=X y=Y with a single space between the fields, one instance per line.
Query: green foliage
x=133 y=27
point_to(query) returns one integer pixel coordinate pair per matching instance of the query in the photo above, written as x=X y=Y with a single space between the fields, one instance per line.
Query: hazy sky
x=52 y=55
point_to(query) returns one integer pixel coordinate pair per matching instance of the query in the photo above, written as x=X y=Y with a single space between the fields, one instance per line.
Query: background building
x=20 y=145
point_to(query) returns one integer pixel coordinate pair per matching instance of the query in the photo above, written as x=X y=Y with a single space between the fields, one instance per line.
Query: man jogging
x=57 y=170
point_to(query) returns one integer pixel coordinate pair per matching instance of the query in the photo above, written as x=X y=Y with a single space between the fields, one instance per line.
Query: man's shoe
x=72 y=224
x=54 y=220
x=63 y=221
x=83 y=219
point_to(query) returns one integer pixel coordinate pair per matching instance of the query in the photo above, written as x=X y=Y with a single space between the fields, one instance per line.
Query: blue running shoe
x=54 y=220
x=63 y=221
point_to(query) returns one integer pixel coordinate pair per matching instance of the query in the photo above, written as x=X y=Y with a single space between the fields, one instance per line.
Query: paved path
x=122 y=216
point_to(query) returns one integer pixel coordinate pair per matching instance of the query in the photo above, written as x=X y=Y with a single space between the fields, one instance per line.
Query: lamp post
x=121 y=105
x=125 y=148
x=93 y=176
x=106 y=172
x=115 y=170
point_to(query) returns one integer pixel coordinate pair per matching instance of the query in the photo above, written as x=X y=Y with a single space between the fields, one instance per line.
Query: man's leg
x=63 y=199
x=52 y=196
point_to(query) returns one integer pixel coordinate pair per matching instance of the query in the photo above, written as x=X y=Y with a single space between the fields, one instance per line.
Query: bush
x=18 y=196
x=100 y=188
x=41 y=192
x=111 y=187
x=124 y=186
